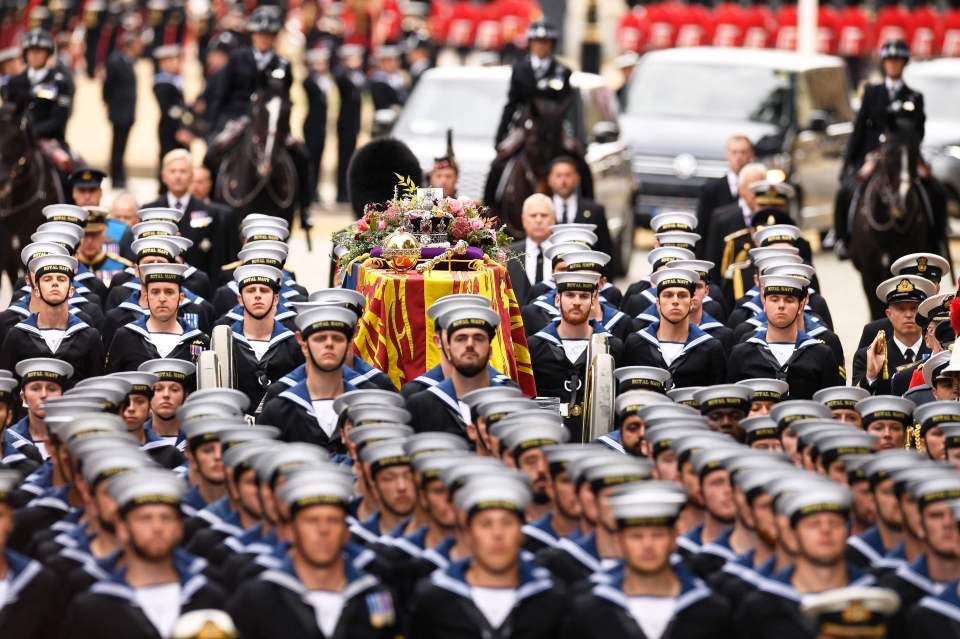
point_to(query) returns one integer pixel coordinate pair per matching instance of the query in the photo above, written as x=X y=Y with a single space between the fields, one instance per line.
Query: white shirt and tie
x=36 y=75
x=531 y=252
x=262 y=59
x=540 y=65
x=893 y=87
x=732 y=182
x=746 y=211
x=180 y=203
x=566 y=209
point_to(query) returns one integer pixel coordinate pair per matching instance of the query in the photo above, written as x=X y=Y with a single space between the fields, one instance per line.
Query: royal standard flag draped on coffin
x=396 y=336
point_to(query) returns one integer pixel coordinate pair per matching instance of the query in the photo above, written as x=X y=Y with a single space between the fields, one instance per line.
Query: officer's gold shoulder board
x=732 y=236
x=119 y=258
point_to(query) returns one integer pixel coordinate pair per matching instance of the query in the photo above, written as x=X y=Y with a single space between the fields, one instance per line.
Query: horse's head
x=544 y=130
x=268 y=130
x=898 y=164
x=15 y=145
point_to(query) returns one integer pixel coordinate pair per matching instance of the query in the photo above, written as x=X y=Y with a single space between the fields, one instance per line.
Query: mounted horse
x=523 y=158
x=898 y=210
x=263 y=170
x=28 y=182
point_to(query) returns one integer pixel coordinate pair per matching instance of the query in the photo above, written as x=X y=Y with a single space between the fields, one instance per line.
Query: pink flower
x=454 y=205
x=501 y=256
x=467 y=203
x=476 y=224
x=460 y=228
x=362 y=225
x=381 y=225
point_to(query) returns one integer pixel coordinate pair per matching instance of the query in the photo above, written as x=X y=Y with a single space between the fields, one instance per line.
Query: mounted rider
x=45 y=93
x=256 y=69
x=887 y=107
x=537 y=77
x=539 y=74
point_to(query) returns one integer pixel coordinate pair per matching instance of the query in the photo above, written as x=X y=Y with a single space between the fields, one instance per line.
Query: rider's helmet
x=542 y=30
x=37 y=39
x=265 y=20
x=895 y=49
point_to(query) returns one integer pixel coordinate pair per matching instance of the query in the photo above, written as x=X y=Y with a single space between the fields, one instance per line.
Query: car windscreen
x=941 y=95
x=470 y=107
x=714 y=91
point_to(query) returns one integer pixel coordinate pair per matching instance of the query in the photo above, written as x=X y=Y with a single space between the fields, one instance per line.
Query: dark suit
x=873 y=119
x=714 y=194
x=883 y=385
x=387 y=94
x=526 y=85
x=724 y=220
x=202 y=223
x=350 y=87
x=212 y=92
x=168 y=89
x=315 y=125
x=516 y=268
x=120 y=96
x=590 y=212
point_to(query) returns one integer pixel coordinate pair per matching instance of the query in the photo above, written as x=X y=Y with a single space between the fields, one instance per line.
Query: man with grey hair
x=120 y=219
x=529 y=266
x=735 y=216
x=198 y=223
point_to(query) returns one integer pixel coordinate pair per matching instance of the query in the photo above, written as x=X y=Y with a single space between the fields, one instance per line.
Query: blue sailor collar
x=720 y=546
x=612 y=440
x=414 y=543
x=542 y=530
x=692 y=589
x=22 y=305
x=140 y=326
x=39 y=481
x=193 y=502
x=187 y=567
x=54 y=498
x=439 y=555
x=361 y=371
x=299 y=394
x=285 y=576
x=584 y=549
x=297 y=375
x=779 y=584
x=692 y=540
x=743 y=568
x=695 y=336
x=21 y=570
x=918 y=574
x=803 y=339
x=432 y=377
x=20 y=430
x=278 y=334
x=283 y=312
x=74 y=324
x=253 y=541
x=550 y=334
x=707 y=321
x=221 y=517
x=533 y=579
x=946 y=603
